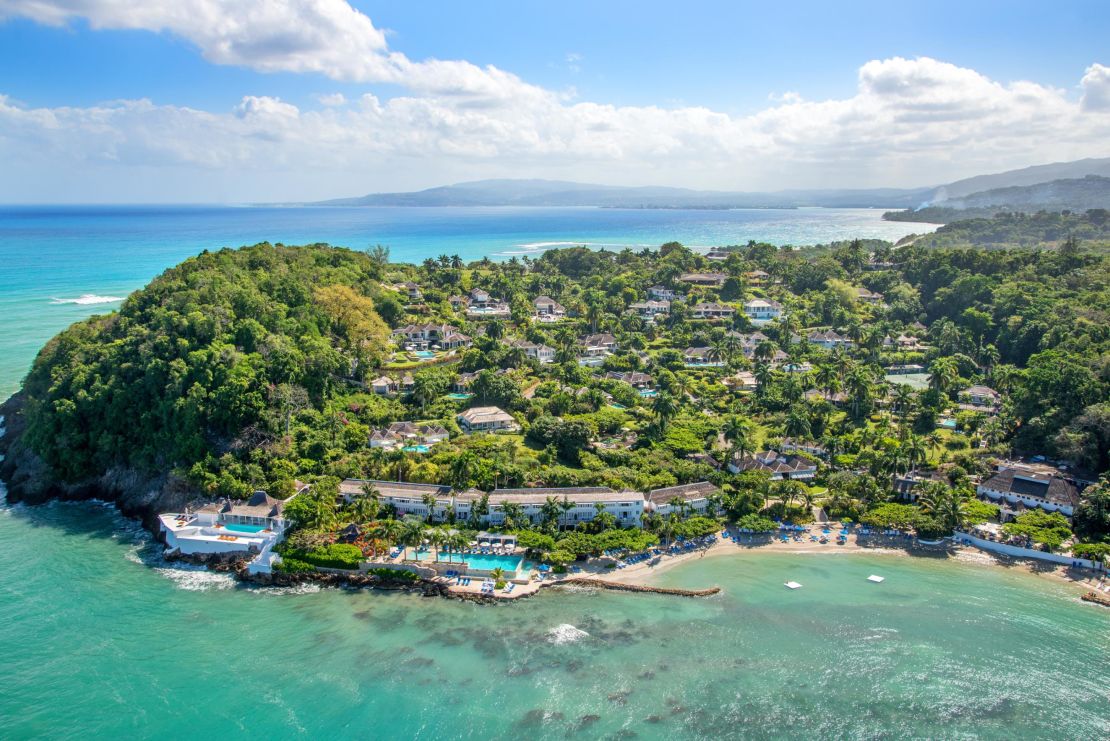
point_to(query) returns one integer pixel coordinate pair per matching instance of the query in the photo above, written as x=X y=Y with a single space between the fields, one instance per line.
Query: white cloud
x=910 y=121
x=332 y=99
x=1096 y=88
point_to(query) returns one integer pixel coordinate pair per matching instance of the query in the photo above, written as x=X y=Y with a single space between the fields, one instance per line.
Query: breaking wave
x=87 y=299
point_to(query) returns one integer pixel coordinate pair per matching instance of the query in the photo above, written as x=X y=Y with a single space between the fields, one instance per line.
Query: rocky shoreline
x=27 y=478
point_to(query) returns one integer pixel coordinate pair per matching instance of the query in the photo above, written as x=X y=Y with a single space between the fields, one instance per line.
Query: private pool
x=948 y=424
x=646 y=393
x=416 y=448
x=424 y=354
x=236 y=528
x=458 y=395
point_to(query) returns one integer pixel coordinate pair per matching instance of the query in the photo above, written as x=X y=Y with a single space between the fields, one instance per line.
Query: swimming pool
x=424 y=354
x=459 y=395
x=648 y=392
x=236 y=528
x=948 y=424
x=416 y=448
x=477 y=561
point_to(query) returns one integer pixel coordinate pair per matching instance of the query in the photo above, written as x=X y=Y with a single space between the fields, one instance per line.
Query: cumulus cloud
x=910 y=121
x=1096 y=88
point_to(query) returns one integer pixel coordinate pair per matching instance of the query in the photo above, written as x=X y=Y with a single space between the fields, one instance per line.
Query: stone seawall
x=620 y=587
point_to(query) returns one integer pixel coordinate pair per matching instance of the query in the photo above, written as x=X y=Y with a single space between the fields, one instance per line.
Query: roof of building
x=1028 y=483
x=775 y=462
x=602 y=338
x=477 y=415
x=260 y=504
x=760 y=303
x=699 y=490
x=354 y=487
x=573 y=494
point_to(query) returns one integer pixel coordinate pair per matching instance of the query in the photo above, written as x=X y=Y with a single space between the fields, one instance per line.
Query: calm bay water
x=50 y=257
x=103 y=640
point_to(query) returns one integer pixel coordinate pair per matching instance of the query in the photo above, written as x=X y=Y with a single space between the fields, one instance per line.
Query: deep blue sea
x=59 y=264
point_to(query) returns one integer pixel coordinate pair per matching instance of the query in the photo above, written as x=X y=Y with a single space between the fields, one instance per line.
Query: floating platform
x=876 y=579
x=792 y=585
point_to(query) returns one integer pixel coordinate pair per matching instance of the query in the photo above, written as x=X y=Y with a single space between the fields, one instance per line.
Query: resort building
x=488 y=310
x=407 y=434
x=757 y=278
x=712 y=311
x=829 y=339
x=423 y=336
x=582 y=504
x=412 y=290
x=868 y=297
x=742 y=381
x=542 y=353
x=1016 y=487
x=385 y=386
x=715 y=280
x=251 y=527
x=701 y=357
x=403 y=497
x=635 y=379
x=903 y=343
x=486 y=419
x=790 y=445
x=595 y=348
x=762 y=311
x=458 y=303
x=650 y=309
x=661 y=293
x=479 y=296
x=778 y=465
x=980 y=399
x=694 y=498
x=548 y=307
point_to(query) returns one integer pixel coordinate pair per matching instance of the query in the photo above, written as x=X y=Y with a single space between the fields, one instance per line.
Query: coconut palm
x=943 y=503
x=943 y=374
x=738 y=432
x=665 y=407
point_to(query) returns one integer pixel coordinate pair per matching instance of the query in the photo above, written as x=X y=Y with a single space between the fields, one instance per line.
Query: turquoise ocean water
x=61 y=264
x=99 y=638
x=102 y=640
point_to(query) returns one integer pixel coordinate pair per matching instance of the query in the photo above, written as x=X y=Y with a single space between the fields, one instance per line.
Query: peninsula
x=494 y=426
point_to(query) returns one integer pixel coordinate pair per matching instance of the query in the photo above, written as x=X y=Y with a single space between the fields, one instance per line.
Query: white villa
x=713 y=311
x=595 y=348
x=661 y=293
x=542 y=353
x=254 y=527
x=404 y=434
x=486 y=419
x=701 y=357
x=829 y=339
x=1016 y=487
x=762 y=311
x=546 y=306
x=423 y=336
x=696 y=498
x=649 y=309
x=626 y=506
x=704 y=279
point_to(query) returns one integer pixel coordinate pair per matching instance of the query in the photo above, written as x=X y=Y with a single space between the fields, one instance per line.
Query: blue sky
x=706 y=80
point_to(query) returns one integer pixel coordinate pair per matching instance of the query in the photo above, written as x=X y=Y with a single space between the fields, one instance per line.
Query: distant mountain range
x=508 y=192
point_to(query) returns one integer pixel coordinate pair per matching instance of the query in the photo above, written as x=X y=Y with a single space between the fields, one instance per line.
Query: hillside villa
x=762 y=311
x=715 y=280
x=486 y=419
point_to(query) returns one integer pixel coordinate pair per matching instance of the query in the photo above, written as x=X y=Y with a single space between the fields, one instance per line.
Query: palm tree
x=412 y=533
x=943 y=374
x=904 y=396
x=797 y=423
x=436 y=537
x=763 y=375
x=429 y=501
x=916 y=451
x=943 y=503
x=665 y=407
x=738 y=432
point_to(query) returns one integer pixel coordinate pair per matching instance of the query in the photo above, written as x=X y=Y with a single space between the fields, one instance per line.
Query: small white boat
x=792 y=585
x=876 y=579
